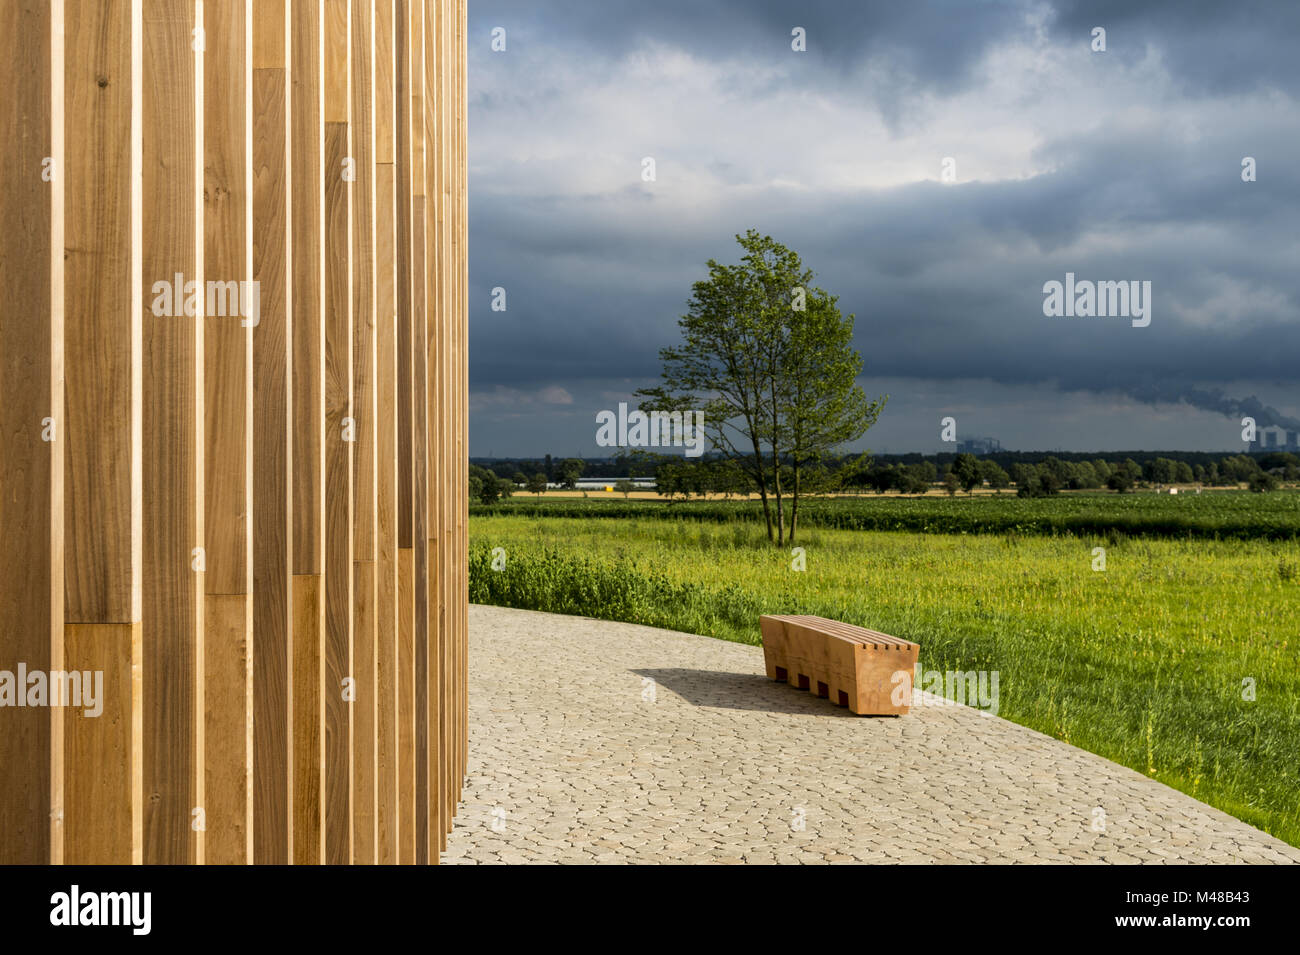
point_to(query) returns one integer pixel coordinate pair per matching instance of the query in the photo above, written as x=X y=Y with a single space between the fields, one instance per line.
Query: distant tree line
x=1052 y=474
x=1035 y=476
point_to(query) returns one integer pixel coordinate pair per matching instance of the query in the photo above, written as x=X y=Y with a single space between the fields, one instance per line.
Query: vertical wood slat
x=227 y=404
x=272 y=374
x=460 y=335
x=307 y=437
x=31 y=467
x=435 y=249
x=338 y=449
x=101 y=429
x=435 y=97
x=453 y=425
x=452 y=194
x=192 y=161
x=406 y=671
x=386 y=810
x=172 y=482
x=365 y=516
x=426 y=723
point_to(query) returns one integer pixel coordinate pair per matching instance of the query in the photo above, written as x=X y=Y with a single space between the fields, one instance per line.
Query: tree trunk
x=762 y=487
x=794 y=502
x=776 y=484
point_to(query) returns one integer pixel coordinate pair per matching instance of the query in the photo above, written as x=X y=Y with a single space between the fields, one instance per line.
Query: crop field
x=1181 y=659
x=1212 y=514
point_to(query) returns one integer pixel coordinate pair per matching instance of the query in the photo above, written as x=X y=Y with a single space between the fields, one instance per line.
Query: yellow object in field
x=608 y=488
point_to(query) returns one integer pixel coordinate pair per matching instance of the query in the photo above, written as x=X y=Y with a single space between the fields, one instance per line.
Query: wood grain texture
x=228 y=756
x=428 y=723
x=101 y=753
x=387 y=810
x=365 y=515
x=228 y=433
x=405 y=376
x=460 y=335
x=272 y=419
x=234 y=418
x=270 y=22
x=426 y=712
x=102 y=427
x=227 y=334
x=406 y=762
x=172 y=503
x=338 y=448
x=364 y=712
x=438 y=351
x=385 y=90
x=307 y=752
x=102 y=322
x=307 y=302
x=31 y=518
x=307 y=410
x=426 y=751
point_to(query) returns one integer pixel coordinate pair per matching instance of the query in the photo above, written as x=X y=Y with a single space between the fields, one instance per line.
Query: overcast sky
x=1116 y=165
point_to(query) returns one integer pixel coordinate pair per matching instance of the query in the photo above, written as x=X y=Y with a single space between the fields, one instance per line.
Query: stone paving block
x=721 y=765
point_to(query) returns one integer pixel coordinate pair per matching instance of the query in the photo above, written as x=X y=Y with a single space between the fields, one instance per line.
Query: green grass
x=1210 y=515
x=1143 y=663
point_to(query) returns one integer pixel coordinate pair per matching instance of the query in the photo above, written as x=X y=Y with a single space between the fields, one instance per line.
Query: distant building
x=1275 y=438
x=979 y=446
x=607 y=483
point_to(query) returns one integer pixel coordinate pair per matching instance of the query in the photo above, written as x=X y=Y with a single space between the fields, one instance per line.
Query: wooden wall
x=233 y=405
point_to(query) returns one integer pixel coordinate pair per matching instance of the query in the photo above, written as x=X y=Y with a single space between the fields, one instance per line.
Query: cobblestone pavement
x=593 y=741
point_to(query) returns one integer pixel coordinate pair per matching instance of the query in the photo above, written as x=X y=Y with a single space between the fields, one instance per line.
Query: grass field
x=1144 y=663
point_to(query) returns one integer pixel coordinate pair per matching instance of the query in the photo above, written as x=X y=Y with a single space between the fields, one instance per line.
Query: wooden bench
x=851 y=666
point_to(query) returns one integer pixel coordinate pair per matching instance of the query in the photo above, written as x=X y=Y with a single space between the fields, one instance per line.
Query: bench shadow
x=741 y=691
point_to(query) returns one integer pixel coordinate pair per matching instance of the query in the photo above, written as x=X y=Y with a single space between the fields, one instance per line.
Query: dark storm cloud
x=1142 y=181
x=930 y=42
x=1220 y=46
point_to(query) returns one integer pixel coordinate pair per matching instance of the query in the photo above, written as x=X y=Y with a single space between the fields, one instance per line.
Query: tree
x=571 y=469
x=951 y=483
x=993 y=473
x=1131 y=470
x=916 y=478
x=1161 y=471
x=1263 y=481
x=519 y=479
x=484 y=485
x=1278 y=459
x=768 y=359
x=537 y=483
x=624 y=487
x=668 y=479
x=966 y=469
x=1082 y=476
x=1023 y=475
x=821 y=402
